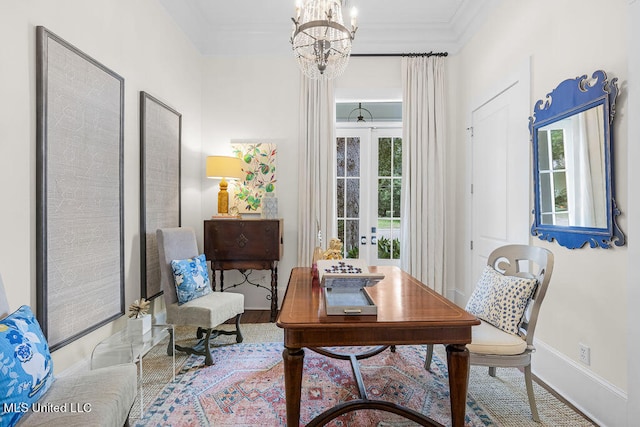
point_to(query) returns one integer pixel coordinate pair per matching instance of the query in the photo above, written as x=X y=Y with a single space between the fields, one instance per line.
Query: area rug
x=246 y=388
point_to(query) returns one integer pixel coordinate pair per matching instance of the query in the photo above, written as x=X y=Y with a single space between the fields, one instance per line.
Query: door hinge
x=471 y=245
x=471 y=188
x=470 y=129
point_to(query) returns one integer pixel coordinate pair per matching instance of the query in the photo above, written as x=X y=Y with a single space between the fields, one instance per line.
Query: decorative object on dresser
x=160 y=165
x=244 y=245
x=223 y=168
x=139 y=322
x=270 y=206
x=79 y=191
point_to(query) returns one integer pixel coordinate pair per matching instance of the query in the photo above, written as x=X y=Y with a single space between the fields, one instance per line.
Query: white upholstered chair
x=495 y=348
x=206 y=312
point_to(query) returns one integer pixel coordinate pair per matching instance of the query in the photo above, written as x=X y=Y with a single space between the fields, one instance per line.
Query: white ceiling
x=263 y=27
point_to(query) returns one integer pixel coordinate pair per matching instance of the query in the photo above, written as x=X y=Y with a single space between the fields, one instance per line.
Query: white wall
x=137 y=40
x=583 y=304
x=633 y=280
x=254 y=100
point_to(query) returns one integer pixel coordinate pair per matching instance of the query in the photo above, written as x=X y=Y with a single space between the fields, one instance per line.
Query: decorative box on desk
x=344 y=285
x=245 y=244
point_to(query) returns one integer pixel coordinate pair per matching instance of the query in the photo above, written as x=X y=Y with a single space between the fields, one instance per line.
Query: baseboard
x=456 y=296
x=598 y=399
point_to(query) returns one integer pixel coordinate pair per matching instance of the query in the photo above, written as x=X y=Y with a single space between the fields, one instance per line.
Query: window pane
x=384 y=247
x=545 y=192
x=353 y=198
x=557 y=148
x=562 y=219
x=340 y=197
x=395 y=242
x=340 y=233
x=397 y=185
x=543 y=150
x=353 y=157
x=397 y=156
x=384 y=197
x=340 y=147
x=384 y=156
x=560 y=191
x=351 y=239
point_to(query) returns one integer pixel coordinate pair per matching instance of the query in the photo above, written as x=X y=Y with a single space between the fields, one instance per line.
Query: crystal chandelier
x=321 y=42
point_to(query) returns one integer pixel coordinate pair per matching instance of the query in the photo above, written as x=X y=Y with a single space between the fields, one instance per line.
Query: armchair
x=492 y=346
x=205 y=312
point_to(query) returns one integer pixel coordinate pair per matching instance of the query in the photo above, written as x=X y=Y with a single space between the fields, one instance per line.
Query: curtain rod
x=402 y=54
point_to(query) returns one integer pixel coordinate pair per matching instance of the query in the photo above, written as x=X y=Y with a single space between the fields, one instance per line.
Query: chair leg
x=492 y=371
x=532 y=399
x=239 y=337
x=428 y=357
x=170 y=345
x=208 y=359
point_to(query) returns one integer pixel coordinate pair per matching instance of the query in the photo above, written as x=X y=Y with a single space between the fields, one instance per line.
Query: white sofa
x=102 y=397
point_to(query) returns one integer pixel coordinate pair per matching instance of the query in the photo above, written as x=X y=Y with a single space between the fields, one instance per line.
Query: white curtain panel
x=316 y=186
x=423 y=163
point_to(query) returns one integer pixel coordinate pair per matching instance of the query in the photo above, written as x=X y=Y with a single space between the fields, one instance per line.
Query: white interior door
x=500 y=177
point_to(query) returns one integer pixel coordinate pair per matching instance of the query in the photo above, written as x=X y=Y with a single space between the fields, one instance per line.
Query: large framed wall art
x=79 y=191
x=160 y=140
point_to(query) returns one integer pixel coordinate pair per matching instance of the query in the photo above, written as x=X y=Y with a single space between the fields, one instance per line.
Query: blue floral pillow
x=26 y=369
x=191 y=277
x=501 y=300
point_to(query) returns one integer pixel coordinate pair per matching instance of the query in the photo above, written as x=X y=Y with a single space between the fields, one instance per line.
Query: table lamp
x=224 y=167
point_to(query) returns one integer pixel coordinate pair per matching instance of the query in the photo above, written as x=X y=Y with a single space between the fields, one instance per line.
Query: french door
x=368 y=188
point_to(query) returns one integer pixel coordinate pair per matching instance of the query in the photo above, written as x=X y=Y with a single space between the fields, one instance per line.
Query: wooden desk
x=245 y=244
x=408 y=313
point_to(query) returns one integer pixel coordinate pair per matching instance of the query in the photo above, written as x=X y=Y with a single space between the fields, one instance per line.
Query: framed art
x=160 y=141
x=79 y=191
x=259 y=170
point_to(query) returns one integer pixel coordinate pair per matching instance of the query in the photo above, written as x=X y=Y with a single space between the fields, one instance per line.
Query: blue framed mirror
x=571 y=131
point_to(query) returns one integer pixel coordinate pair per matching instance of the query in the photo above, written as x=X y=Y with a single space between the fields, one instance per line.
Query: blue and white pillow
x=501 y=300
x=191 y=277
x=26 y=369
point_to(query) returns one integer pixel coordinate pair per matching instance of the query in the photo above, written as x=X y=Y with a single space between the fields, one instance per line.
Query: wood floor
x=253 y=316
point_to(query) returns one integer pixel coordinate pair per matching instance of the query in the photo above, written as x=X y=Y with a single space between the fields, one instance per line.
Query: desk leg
x=293 y=364
x=458 y=365
x=274 y=292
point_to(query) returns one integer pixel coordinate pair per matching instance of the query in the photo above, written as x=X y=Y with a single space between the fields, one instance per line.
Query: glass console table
x=123 y=348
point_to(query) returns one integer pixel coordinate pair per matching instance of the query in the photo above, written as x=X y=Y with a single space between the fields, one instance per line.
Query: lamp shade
x=224 y=167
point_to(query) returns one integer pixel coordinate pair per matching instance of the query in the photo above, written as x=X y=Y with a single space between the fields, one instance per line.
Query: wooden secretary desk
x=245 y=244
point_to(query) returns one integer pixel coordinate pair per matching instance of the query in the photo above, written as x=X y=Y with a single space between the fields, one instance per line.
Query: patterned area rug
x=246 y=388
x=243 y=373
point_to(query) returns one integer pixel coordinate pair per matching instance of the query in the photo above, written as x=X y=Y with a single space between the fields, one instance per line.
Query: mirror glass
x=572 y=147
x=571 y=162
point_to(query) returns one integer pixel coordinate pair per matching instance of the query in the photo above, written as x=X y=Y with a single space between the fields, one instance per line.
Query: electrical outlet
x=584 y=353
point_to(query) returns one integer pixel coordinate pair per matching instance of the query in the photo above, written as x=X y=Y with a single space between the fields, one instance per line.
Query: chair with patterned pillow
x=507 y=301
x=188 y=296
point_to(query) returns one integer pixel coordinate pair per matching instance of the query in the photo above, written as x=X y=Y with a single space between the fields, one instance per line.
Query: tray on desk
x=348 y=302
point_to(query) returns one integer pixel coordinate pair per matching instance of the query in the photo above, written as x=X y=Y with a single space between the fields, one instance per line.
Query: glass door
x=368 y=185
